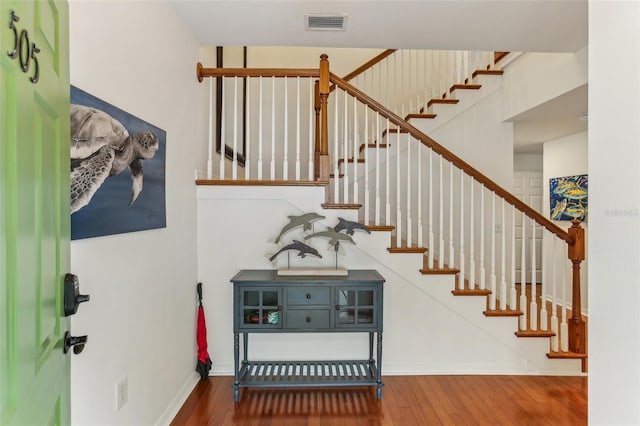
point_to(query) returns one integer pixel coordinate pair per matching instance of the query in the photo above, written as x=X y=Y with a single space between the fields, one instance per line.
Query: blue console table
x=265 y=302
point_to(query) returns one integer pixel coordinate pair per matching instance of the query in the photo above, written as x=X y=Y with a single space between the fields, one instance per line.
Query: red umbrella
x=204 y=362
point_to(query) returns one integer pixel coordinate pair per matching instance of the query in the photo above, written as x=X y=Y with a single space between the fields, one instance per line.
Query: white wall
x=141 y=317
x=525 y=162
x=426 y=329
x=614 y=216
x=565 y=156
x=534 y=78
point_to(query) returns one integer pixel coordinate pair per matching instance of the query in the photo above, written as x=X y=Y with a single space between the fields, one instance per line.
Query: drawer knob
x=308 y=296
x=308 y=319
x=279 y=308
x=337 y=307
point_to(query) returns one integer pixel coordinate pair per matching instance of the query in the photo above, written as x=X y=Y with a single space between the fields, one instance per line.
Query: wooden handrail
x=449 y=156
x=202 y=72
x=362 y=68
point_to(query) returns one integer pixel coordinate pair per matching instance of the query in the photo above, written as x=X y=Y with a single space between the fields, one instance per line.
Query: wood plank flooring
x=406 y=400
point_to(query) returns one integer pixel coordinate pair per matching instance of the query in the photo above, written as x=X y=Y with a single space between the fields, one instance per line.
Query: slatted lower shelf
x=308 y=373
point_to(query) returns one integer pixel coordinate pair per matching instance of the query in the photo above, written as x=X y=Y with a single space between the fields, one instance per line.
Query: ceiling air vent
x=325 y=22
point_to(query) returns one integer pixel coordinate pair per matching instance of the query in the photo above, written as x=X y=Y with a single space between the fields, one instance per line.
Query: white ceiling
x=502 y=25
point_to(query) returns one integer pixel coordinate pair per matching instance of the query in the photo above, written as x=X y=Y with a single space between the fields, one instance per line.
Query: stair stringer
x=500 y=330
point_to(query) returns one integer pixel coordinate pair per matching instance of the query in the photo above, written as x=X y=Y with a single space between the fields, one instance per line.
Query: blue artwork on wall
x=569 y=198
x=117 y=170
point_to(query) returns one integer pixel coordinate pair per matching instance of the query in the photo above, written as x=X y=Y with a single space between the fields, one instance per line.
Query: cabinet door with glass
x=260 y=307
x=355 y=307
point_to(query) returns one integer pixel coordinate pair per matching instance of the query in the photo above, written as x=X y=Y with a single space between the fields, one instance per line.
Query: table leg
x=245 y=347
x=236 y=369
x=379 y=373
x=371 y=346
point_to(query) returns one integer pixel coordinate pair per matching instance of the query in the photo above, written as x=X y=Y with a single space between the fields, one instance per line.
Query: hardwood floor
x=406 y=400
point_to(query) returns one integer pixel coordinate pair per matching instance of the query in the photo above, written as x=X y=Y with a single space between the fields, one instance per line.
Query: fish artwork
x=350 y=226
x=334 y=237
x=568 y=198
x=301 y=247
x=305 y=220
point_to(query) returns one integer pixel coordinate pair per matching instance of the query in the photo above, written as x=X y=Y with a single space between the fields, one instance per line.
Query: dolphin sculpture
x=304 y=220
x=334 y=237
x=302 y=248
x=350 y=226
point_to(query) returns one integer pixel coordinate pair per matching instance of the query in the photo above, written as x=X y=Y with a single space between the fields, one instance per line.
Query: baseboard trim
x=174 y=406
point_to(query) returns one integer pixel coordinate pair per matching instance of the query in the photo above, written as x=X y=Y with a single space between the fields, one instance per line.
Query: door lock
x=77 y=342
x=72 y=296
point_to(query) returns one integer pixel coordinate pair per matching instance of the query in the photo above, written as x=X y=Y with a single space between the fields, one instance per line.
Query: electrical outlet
x=122 y=393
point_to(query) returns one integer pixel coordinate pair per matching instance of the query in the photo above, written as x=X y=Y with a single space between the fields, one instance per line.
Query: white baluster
x=410 y=84
x=210 y=158
x=554 y=306
x=441 y=218
x=420 y=237
x=543 y=288
x=465 y=68
x=387 y=177
x=247 y=132
x=355 y=151
x=492 y=275
x=298 y=128
x=472 y=219
x=285 y=160
x=462 y=260
x=260 y=130
x=223 y=136
x=430 y=207
x=458 y=67
x=234 y=156
x=402 y=84
x=376 y=220
x=311 y=139
x=451 y=255
x=523 y=275
x=533 y=304
x=409 y=221
x=366 y=167
x=503 y=261
x=398 y=211
x=482 y=271
x=273 y=129
x=513 y=294
x=345 y=153
x=564 y=328
x=336 y=169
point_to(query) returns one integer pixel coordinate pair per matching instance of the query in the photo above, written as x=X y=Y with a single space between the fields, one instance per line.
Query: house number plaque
x=23 y=49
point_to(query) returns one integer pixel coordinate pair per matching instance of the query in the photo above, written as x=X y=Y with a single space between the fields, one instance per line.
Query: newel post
x=317 y=140
x=322 y=155
x=577 y=335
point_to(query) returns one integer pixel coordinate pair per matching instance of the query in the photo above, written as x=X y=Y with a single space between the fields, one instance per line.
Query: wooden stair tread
x=502 y=313
x=412 y=249
x=384 y=133
x=437 y=271
x=442 y=101
x=372 y=146
x=421 y=115
x=486 y=72
x=534 y=333
x=566 y=355
x=341 y=206
x=471 y=292
x=465 y=87
x=373 y=228
x=350 y=160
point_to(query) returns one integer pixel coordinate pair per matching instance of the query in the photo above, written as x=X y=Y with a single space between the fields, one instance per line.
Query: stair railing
x=410 y=81
x=279 y=125
x=467 y=222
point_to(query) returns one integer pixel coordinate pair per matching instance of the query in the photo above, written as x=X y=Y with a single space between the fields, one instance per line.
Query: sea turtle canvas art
x=117 y=170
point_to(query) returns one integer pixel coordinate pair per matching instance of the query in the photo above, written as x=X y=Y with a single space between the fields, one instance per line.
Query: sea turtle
x=102 y=147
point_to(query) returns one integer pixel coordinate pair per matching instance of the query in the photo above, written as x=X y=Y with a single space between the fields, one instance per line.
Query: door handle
x=72 y=296
x=77 y=342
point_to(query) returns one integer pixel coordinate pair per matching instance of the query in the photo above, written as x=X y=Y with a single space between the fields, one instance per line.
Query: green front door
x=34 y=212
